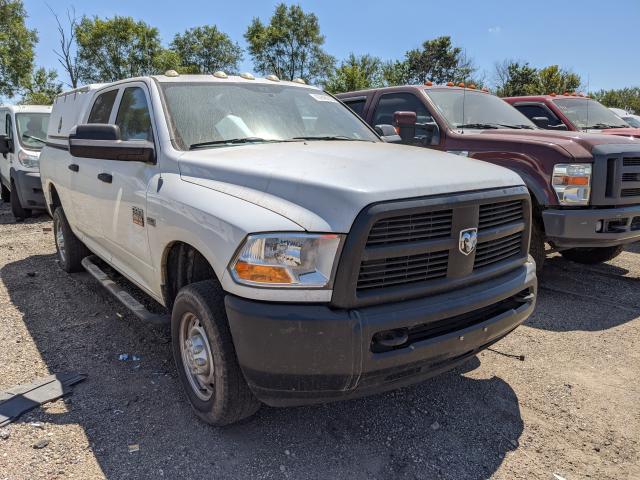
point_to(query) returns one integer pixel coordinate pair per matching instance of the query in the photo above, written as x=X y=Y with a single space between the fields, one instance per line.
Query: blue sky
x=596 y=39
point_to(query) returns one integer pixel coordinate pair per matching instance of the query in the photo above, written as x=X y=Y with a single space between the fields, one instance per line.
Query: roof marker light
x=552 y=94
x=428 y=83
x=461 y=84
x=273 y=78
x=299 y=80
x=449 y=84
x=220 y=74
x=485 y=89
x=472 y=86
x=247 y=76
x=171 y=73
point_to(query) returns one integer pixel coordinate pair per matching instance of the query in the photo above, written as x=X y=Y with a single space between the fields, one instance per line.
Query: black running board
x=122 y=295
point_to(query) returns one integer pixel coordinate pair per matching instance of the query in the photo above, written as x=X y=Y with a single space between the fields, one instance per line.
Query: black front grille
x=498 y=250
x=411 y=228
x=631 y=161
x=635 y=224
x=400 y=270
x=631 y=177
x=630 y=192
x=496 y=214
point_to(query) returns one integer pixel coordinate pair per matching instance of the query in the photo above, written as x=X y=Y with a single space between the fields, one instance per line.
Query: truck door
x=123 y=211
x=88 y=193
x=427 y=133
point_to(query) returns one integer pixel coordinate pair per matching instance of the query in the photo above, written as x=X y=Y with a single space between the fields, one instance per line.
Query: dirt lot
x=571 y=410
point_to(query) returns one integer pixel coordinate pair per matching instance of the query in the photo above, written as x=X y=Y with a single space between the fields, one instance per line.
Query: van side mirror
x=102 y=141
x=6 y=145
x=388 y=133
x=542 y=122
x=406 y=123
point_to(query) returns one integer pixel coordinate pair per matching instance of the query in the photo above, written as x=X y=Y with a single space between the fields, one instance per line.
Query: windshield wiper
x=604 y=126
x=24 y=135
x=231 y=141
x=478 y=126
x=329 y=137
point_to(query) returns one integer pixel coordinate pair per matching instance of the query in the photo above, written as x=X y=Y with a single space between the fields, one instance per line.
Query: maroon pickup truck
x=572 y=112
x=585 y=187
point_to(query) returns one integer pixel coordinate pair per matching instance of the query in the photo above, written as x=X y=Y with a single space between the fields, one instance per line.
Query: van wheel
x=591 y=256
x=536 y=249
x=206 y=358
x=6 y=194
x=16 y=207
x=69 y=248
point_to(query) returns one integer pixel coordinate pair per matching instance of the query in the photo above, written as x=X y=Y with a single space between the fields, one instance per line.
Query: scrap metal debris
x=22 y=398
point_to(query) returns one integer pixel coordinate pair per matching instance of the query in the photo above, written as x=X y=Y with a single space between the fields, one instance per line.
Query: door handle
x=73 y=167
x=105 y=177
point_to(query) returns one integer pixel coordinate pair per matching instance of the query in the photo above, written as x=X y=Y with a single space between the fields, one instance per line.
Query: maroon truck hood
x=625 y=132
x=578 y=144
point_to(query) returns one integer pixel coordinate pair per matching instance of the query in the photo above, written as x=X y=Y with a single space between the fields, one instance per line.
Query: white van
x=23 y=131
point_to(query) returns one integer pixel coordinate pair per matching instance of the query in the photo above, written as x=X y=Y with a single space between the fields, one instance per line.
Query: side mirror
x=388 y=133
x=6 y=145
x=542 y=122
x=102 y=141
x=406 y=123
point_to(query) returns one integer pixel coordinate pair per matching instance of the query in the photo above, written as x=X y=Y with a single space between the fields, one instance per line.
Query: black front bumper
x=579 y=228
x=29 y=189
x=294 y=354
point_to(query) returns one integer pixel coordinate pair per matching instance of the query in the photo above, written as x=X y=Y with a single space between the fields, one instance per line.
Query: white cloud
x=497 y=29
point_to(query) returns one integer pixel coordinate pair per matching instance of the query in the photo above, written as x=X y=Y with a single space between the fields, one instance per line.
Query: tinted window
x=133 y=115
x=102 y=107
x=532 y=111
x=8 y=129
x=400 y=102
x=356 y=105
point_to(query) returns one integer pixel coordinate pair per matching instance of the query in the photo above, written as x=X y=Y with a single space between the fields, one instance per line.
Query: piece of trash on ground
x=124 y=357
x=43 y=442
x=134 y=448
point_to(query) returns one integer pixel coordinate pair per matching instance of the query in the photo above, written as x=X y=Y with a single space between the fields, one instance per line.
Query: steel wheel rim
x=60 y=241
x=197 y=359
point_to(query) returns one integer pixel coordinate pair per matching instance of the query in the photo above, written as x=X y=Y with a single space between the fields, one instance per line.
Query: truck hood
x=577 y=144
x=625 y=132
x=323 y=185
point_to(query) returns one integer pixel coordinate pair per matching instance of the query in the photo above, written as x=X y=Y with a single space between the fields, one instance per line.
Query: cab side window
x=532 y=111
x=357 y=105
x=133 y=117
x=102 y=106
x=400 y=102
x=9 y=127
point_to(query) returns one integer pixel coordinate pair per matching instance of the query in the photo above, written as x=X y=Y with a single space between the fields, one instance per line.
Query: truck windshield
x=634 y=122
x=588 y=114
x=32 y=129
x=481 y=110
x=207 y=115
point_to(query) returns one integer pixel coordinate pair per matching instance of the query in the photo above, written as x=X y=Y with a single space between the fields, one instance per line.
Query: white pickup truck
x=302 y=258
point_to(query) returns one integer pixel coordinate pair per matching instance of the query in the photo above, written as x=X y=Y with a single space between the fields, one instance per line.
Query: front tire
x=206 y=358
x=69 y=248
x=592 y=256
x=16 y=207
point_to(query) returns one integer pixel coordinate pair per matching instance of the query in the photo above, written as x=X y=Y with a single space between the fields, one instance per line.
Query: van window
x=102 y=107
x=357 y=105
x=133 y=115
x=7 y=126
x=400 y=102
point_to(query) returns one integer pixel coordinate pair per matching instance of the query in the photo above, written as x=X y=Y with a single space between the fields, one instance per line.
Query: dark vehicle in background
x=575 y=113
x=585 y=187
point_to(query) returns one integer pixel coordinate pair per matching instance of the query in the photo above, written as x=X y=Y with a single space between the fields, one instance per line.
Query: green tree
x=514 y=78
x=115 y=48
x=16 y=48
x=42 y=89
x=207 y=49
x=356 y=73
x=626 y=98
x=553 y=79
x=438 y=61
x=289 y=46
x=395 y=73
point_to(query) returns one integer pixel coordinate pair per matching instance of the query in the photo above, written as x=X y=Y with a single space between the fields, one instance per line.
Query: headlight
x=572 y=183
x=286 y=260
x=28 y=160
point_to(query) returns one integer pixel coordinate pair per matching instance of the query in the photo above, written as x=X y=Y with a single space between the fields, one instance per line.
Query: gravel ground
x=570 y=410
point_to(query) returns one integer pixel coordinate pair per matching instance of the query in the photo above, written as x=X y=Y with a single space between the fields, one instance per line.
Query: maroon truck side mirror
x=406 y=124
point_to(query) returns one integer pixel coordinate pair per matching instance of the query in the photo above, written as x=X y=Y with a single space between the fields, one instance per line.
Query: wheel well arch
x=183 y=264
x=55 y=198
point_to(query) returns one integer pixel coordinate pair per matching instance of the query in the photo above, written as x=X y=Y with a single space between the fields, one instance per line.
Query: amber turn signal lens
x=566 y=180
x=262 y=273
